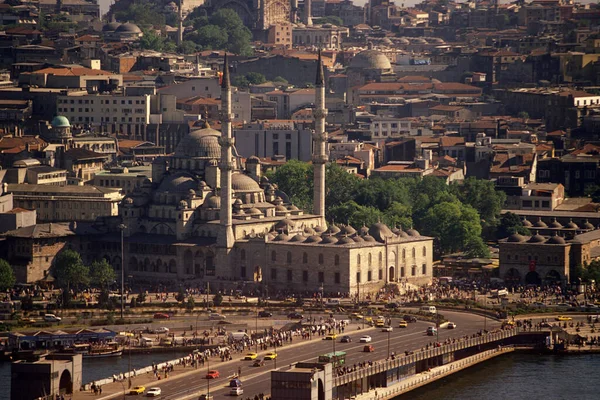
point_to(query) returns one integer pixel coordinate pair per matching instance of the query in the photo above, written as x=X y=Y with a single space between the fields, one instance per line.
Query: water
x=519 y=376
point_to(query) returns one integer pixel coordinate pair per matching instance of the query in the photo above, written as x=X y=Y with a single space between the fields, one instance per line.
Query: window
x=320 y=258
x=370 y=259
x=273 y=256
x=413 y=271
x=273 y=274
x=290 y=275
x=321 y=277
x=424 y=269
x=424 y=251
x=304 y=258
x=380 y=260
x=305 y=276
x=358 y=260
x=243 y=272
x=403 y=254
x=414 y=252
x=380 y=274
x=337 y=277
x=289 y=257
x=358 y=277
x=369 y=276
x=336 y=260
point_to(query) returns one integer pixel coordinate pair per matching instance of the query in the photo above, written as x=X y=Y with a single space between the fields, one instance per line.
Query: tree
x=295 y=178
x=593 y=191
x=255 y=78
x=7 y=276
x=141 y=298
x=510 y=223
x=224 y=30
x=180 y=297
x=483 y=196
x=523 y=115
x=280 y=79
x=476 y=248
x=190 y=303
x=340 y=185
x=186 y=47
x=102 y=273
x=142 y=14
x=218 y=299
x=70 y=273
x=153 y=41
x=329 y=19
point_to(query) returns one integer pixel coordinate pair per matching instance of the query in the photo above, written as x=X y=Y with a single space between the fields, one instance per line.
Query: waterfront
x=518 y=376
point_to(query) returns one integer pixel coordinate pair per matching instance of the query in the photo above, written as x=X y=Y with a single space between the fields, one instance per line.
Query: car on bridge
x=153 y=392
x=563 y=318
x=402 y=324
x=160 y=315
x=431 y=331
x=137 y=390
x=365 y=339
x=451 y=325
x=330 y=336
x=387 y=329
x=346 y=339
x=410 y=318
x=265 y=314
x=213 y=374
x=368 y=348
x=236 y=391
x=251 y=356
x=270 y=356
x=258 y=363
x=295 y=315
x=161 y=329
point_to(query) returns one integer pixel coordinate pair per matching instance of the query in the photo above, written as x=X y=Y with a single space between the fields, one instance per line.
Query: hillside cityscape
x=187 y=183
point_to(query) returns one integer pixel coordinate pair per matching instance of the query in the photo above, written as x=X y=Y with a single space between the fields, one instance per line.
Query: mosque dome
x=282 y=237
x=128 y=28
x=572 y=225
x=588 y=225
x=526 y=223
x=284 y=224
x=200 y=143
x=369 y=238
x=347 y=230
x=537 y=238
x=212 y=202
x=358 y=239
x=345 y=240
x=516 y=238
x=298 y=238
x=254 y=211
x=363 y=231
x=370 y=59
x=293 y=208
x=243 y=183
x=313 y=239
x=540 y=224
x=110 y=27
x=413 y=233
x=329 y=239
x=177 y=184
x=319 y=229
x=380 y=231
x=309 y=231
x=555 y=224
x=60 y=122
x=556 y=240
x=332 y=230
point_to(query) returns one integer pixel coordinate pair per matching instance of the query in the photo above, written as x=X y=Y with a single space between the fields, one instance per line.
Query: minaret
x=225 y=237
x=308 y=12
x=319 y=142
x=180 y=27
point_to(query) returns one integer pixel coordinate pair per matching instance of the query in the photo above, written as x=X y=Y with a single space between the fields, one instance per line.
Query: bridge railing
x=403 y=359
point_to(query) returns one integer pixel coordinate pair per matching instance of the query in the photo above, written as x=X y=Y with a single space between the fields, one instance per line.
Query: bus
x=338 y=358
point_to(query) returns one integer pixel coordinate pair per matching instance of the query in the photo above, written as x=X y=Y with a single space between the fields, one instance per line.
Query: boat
x=88 y=350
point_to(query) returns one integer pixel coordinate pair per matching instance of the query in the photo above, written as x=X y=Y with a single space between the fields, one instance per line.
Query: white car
x=365 y=339
x=387 y=329
x=52 y=318
x=451 y=325
x=153 y=392
x=162 y=329
x=216 y=317
x=236 y=391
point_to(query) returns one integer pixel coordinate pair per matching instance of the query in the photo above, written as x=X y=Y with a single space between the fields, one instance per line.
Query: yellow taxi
x=270 y=356
x=369 y=320
x=290 y=300
x=356 y=316
x=137 y=390
x=251 y=356
x=563 y=318
x=402 y=324
x=330 y=336
x=380 y=324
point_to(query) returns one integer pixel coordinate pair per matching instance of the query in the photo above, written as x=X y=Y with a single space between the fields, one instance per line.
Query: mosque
x=207 y=217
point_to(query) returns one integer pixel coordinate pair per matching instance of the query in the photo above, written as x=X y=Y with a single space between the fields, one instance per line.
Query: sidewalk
x=145 y=377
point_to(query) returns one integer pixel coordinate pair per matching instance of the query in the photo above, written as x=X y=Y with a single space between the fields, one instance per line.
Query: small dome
x=403 y=234
x=284 y=224
x=128 y=28
x=556 y=240
x=254 y=211
x=271 y=236
x=212 y=202
x=60 y=122
x=358 y=239
x=181 y=184
x=313 y=239
x=298 y=238
x=571 y=225
x=526 y=223
x=555 y=224
x=243 y=183
x=253 y=160
x=588 y=225
x=516 y=238
x=282 y=237
x=370 y=59
x=293 y=208
x=363 y=231
x=110 y=27
x=281 y=208
x=309 y=231
x=540 y=224
x=369 y=238
x=240 y=212
x=329 y=239
x=347 y=230
x=380 y=232
x=332 y=230
x=537 y=238
x=319 y=229
x=183 y=204
x=413 y=233
x=346 y=240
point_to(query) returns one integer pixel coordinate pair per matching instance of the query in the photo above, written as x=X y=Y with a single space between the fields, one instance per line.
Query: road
x=257 y=379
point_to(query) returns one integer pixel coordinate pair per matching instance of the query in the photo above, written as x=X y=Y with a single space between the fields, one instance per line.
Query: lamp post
x=122 y=228
x=388 y=344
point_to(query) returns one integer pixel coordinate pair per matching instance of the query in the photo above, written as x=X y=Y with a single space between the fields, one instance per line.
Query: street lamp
x=122 y=228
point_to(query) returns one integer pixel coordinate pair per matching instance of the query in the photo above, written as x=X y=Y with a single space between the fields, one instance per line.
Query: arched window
x=370 y=259
x=424 y=251
x=289 y=257
x=321 y=258
x=243 y=255
x=403 y=254
x=358 y=260
x=380 y=260
x=414 y=252
x=273 y=256
x=337 y=260
x=304 y=258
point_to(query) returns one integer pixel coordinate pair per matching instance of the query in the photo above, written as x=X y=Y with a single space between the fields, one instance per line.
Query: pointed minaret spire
x=225 y=82
x=319 y=81
x=319 y=157
x=225 y=237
